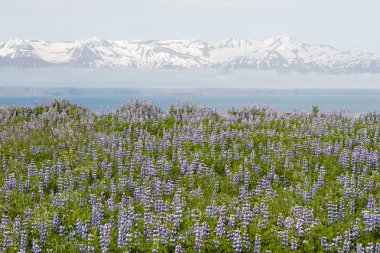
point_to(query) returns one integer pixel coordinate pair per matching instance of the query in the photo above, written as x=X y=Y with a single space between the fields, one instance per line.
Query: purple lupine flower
x=247 y=178
x=56 y=222
x=355 y=231
x=105 y=237
x=247 y=215
x=205 y=230
x=359 y=248
x=306 y=197
x=85 y=228
x=31 y=169
x=257 y=247
x=164 y=233
x=178 y=249
x=211 y=211
x=236 y=179
x=90 y=247
x=284 y=238
x=369 y=248
x=128 y=237
x=17 y=226
x=294 y=244
x=299 y=226
x=280 y=220
x=246 y=242
x=371 y=205
x=121 y=236
x=12 y=181
x=177 y=203
x=7 y=240
x=5 y=163
x=377 y=248
x=220 y=230
x=198 y=236
x=341 y=209
x=97 y=214
x=35 y=247
x=347 y=246
x=79 y=227
x=332 y=212
x=236 y=241
x=43 y=233
x=288 y=223
x=61 y=230
x=23 y=242
x=111 y=204
x=231 y=221
x=344 y=159
x=324 y=244
x=352 y=206
x=8 y=197
x=335 y=241
x=369 y=220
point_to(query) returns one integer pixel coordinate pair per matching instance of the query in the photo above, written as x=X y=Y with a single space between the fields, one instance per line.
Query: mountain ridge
x=281 y=53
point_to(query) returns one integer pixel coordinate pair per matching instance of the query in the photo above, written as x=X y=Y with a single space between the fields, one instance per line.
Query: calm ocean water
x=222 y=102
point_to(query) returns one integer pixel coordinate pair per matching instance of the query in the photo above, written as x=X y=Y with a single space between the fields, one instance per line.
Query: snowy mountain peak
x=235 y=43
x=283 y=41
x=15 y=42
x=16 y=48
x=18 y=44
x=93 y=39
x=278 y=53
x=93 y=42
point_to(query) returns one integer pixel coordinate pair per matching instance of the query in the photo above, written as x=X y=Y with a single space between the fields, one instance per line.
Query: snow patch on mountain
x=281 y=53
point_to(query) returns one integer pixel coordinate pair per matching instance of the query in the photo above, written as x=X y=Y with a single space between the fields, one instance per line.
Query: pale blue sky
x=345 y=24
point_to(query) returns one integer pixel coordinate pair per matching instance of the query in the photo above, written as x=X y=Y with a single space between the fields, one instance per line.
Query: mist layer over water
x=200 y=78
x=221 y=89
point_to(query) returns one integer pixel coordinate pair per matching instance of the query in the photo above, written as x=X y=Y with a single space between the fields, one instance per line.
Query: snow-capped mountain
x=279 y=53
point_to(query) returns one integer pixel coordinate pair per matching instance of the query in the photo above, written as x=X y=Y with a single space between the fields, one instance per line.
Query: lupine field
x=189 y=179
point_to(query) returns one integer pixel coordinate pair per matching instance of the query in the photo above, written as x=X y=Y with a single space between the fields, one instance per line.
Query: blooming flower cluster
x=187 y=180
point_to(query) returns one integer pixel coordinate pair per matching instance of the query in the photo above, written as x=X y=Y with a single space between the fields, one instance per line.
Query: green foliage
x=315 y=110
x=255 y=157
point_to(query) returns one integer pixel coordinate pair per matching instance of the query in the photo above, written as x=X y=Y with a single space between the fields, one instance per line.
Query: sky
x=344 y=24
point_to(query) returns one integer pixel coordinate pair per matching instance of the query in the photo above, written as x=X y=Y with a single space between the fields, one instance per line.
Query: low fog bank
x=67 y=92
x=181 y=79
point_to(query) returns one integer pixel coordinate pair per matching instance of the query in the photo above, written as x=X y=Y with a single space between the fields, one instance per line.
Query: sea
x=99 y=100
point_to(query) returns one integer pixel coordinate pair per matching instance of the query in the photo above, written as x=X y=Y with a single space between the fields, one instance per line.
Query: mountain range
x=281 y=53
